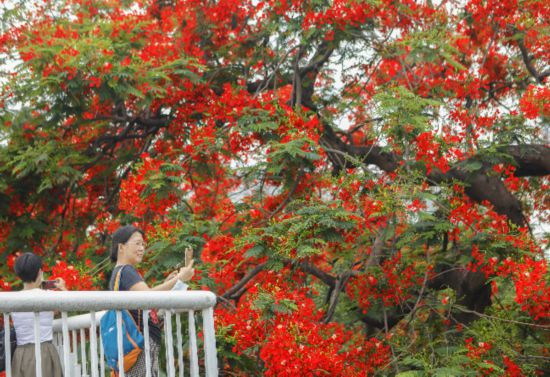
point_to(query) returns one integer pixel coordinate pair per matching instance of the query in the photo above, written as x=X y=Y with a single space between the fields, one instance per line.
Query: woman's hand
x=60 y=284
x=184 y=274
x=172 y=275
x=187 y=272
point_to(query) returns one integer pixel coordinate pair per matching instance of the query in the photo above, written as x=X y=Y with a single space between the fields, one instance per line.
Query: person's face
x=132 y=251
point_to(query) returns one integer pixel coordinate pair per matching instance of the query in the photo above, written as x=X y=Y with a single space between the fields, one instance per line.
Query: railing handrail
x=77 y=322
x=96 y=303
x=66 y=301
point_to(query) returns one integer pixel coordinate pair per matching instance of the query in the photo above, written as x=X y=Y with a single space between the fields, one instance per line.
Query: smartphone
x=49 y=284
x=183 y=264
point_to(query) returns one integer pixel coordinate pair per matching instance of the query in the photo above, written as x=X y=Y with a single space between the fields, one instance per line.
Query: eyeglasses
x=138 y=244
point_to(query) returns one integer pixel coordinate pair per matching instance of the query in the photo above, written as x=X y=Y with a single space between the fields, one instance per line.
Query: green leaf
x=448 y=372
x=274 y=265
x=136 y=92
x=255 y=251
x=411 y=373
x=452 y=61
x=412 y=362
x=45 y=185
x=472 y=166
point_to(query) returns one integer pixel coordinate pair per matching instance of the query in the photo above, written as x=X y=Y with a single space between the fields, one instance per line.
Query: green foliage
x=406 y=113
x=270 y=306
x=305 y=232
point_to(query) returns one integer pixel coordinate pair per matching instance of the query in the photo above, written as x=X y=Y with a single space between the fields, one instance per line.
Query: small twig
x=502 y=319
x=386 y=329
x=285 y=201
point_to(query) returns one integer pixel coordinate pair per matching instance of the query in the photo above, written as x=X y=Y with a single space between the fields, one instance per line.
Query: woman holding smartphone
x=28 y=267
x=127 y=251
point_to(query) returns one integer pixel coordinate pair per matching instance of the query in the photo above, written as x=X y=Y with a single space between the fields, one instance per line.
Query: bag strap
x=117 y=279
x=116 y=288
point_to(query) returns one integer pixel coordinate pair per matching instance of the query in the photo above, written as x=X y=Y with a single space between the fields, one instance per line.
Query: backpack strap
x=117 y=279
x=116 y=288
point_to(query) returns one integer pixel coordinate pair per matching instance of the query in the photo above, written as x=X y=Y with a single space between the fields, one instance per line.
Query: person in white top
x=28 y=267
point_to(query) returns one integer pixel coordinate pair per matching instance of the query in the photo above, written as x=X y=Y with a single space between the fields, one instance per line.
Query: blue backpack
x=132 y=339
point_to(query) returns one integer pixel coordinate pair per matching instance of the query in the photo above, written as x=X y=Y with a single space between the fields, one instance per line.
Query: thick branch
x=237 y=289
x=340 y=286
x=137 y=127
x=482 y=187
x=308 y=74
x=530 y=160
x=471 y=288
x=528 y=60
x=249 y=276
x=318 y=273
x=371 y=154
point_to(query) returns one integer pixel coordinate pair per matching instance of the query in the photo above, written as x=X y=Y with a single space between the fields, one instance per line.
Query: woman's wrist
x=171 y=282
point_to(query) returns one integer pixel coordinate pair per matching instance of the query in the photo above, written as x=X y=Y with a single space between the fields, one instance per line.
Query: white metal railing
x=67 y=330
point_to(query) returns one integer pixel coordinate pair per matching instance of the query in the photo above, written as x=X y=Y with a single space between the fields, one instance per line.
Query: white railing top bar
x=77 y=322
x=39 y=300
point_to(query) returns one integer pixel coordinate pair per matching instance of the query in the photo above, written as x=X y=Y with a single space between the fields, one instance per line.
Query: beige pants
x=23 y=363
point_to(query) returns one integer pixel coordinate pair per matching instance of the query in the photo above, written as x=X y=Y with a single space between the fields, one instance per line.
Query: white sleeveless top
x=23 y=322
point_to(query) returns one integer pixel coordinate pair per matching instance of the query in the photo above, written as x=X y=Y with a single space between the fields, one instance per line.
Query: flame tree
x=365 y=182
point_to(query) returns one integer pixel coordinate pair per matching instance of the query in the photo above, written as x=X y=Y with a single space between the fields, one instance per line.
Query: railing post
x=93 y=345
x=74 y=353
x=211 y=360
x=83 y=352
x=37 y=345
x=180 y=347
x=193 y=357
x=101 y=357
x=66 y=345
x=169 y=344
x=119 y=343
x=147 y=346
x=7 y=344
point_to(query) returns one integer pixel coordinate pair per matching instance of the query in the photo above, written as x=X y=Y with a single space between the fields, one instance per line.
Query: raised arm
x=184 y=274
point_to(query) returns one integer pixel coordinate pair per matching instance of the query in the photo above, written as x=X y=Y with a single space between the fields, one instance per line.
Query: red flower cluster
x=4 y=286
x=341 y=14
x=512 y=369
x=74 y=279
x=300 y=347
x=392 y=286
x=532 y=288
x=429 y=153
x=296 y=343
x=529 y=276
x=132 y=197
x=477 y=351
x=535 y=102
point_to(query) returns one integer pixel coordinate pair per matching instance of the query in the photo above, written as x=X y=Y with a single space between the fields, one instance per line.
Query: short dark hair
x=121 y=236
x=27 y=267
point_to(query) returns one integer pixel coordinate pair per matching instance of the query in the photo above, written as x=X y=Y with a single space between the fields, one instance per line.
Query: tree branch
x=318 y=273
x=530 y=160
x=239 y=288
x=249 y=276
x=340 y=286
x=528 y=60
